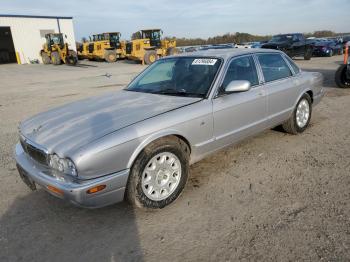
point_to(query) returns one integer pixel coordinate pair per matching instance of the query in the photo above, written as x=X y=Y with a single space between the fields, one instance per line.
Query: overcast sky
x=192 y=18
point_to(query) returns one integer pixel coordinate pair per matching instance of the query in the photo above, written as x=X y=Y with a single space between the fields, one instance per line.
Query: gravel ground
x=273 y=197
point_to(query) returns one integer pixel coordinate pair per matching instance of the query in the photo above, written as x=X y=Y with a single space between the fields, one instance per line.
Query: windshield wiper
x=175 y=92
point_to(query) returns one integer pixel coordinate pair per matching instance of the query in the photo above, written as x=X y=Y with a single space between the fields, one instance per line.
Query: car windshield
x=279 y=38
x=178 y=76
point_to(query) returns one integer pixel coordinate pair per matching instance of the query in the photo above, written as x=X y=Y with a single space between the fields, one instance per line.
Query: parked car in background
x=138 y=143
x=258 y=44
x=219 y=46
x=292 y=44
x=327 y=48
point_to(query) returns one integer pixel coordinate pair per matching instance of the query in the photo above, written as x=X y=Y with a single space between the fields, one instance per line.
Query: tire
x=171 y=51
x=55 y=58
x=150 y=57
x=340 y=77
x=292 y=125
x=143 y=190
x=72 y=58
x=110 y=56
x=45 y=57
x=308 y=54
x=330 y=54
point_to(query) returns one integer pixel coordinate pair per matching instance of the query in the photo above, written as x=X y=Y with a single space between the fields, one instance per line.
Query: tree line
x=239 y=38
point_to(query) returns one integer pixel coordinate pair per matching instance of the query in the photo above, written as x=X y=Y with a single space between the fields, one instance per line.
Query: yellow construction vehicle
x=106 y=46
x=147 y=46
x=55 y=51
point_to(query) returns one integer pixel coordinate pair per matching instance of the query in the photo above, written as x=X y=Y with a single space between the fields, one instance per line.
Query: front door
x=238 y=115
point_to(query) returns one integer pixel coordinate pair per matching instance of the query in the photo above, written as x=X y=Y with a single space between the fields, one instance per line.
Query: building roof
x=37 y=16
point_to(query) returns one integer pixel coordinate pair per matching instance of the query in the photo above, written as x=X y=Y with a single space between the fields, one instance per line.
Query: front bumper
x=72 y=189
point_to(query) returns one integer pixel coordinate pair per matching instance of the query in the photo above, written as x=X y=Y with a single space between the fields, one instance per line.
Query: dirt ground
x=274 y=197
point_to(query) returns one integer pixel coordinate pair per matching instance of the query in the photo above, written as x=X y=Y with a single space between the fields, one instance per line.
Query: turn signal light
x=96 y=189
x=55 y=190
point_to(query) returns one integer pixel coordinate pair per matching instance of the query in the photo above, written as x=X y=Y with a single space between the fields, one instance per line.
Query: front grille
x=35 y=153
x=128 y=48
x=91 y=48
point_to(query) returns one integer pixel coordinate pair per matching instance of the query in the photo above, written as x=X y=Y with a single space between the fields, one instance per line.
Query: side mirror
x=237 y=86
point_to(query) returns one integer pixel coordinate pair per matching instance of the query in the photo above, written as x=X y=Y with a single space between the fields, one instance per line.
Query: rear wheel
x=341 y=78
x=150 y=57
x=45 y=57
x=308 y=53
x=301 y=116
x=110 y=56
x=55 y=58
x=159 y=173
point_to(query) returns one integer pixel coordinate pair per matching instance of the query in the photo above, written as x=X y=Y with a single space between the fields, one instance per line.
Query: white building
x=22 y=36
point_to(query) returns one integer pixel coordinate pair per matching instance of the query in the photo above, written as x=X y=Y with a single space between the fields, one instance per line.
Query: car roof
x=228 y=53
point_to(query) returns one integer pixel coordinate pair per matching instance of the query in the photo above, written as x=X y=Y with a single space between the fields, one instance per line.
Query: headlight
x=64 y=165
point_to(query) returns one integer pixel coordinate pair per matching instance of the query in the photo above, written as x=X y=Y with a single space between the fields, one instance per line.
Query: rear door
x=237 y=115
x=281 y=85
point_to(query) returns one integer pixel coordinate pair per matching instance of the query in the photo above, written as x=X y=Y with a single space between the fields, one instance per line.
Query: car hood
x=76 y=124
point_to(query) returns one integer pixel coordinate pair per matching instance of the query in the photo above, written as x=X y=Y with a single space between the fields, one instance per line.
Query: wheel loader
x=147 y=46
x=106 y=46
x=55 y=51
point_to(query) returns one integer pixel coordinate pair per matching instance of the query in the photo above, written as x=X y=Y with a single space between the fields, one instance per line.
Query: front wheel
x=45 y=57
x=159 y=174
x=150 y=57
x=301 y=116
x=55 y=58
x=110 y=56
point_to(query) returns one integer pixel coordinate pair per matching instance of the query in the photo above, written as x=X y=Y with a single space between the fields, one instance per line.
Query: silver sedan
x=138 y=143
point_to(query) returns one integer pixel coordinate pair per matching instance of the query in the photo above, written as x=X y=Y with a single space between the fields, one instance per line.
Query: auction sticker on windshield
x=204 y=61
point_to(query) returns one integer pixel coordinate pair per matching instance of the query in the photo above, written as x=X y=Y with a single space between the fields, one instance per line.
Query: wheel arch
x=152 y=138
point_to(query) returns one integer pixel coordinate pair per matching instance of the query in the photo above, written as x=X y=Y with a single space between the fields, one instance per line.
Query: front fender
x=149 y=139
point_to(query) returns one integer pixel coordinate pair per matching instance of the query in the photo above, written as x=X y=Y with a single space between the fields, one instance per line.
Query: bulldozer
x=105 y=46
x=147 y=46
x=55 y=51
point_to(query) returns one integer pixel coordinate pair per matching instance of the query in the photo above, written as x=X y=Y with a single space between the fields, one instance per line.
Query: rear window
x=274 y=67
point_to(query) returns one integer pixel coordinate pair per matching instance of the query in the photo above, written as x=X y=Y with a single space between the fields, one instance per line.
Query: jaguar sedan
x=137 y=143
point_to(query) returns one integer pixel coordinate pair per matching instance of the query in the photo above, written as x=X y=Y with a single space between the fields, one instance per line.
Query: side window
x=274 y=67
x=242 y=68
x=296 y=69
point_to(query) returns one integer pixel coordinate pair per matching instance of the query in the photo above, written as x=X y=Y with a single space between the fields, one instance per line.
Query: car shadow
x=40 y=227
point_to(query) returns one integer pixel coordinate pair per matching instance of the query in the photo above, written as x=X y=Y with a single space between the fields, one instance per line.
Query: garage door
x=7 y=49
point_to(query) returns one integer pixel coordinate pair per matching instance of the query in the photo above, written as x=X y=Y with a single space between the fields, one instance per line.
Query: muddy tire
x=159 y=174
x=150 y=57
x=45 y=57
x=72 y=58
x=301 y=116
x=110 y=56
x=308 y=53
x=340 y=77
x=55 y=58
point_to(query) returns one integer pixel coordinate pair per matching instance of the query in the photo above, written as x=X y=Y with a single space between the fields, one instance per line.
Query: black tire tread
x=339 y=77
x=134 y=194
x=290 y=126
